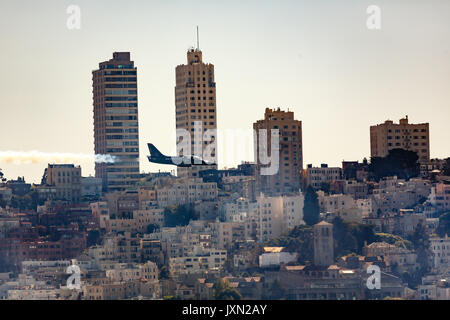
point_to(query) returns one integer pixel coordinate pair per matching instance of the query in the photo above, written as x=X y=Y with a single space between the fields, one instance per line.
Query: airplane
x=184 y=161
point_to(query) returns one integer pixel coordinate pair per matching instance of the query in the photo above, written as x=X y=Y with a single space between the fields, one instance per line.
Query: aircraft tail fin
x=154 y=152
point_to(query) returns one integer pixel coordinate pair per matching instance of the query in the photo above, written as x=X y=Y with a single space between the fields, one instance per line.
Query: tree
x=29 y=201
x=444 y=225
x=299 y=240
x=163 y=273
x=446 y=168
x=224 y=291
x=394 y=239
x=276 y=291
x=344 y=242
x=152 y=228
x=399 y=162
x=349 y=237
x=421 y=244
x=93 y=238
x=178 y=215
x=311 y=210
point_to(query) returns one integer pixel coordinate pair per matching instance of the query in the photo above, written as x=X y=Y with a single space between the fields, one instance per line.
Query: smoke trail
x=26 y=157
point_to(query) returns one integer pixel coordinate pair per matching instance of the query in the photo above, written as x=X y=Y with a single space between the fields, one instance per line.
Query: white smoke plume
x=26 y=157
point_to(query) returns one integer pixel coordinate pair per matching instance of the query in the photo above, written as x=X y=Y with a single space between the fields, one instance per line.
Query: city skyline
x=174 y=152
x=333 y=71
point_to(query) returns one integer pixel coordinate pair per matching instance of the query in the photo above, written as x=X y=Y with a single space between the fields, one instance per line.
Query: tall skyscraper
x=195 y=101
x=287 y=177
x=116 y=130
x=402 y=135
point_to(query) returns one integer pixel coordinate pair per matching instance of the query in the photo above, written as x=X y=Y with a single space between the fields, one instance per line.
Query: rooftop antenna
x=198 y=42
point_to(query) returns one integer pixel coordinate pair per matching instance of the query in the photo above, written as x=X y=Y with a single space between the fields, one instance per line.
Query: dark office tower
x=116 y=131
x=195 y=101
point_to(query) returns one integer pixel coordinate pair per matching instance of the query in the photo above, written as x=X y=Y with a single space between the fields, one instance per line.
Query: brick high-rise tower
x=195 y=101
x=116 y=131
x=287 y=178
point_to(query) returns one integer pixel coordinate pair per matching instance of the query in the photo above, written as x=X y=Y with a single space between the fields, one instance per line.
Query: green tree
x=344 y=241
x=421 y=244
x=299 y=240
x=152 y=228
x=163 y=273
x=446 y=168
x=178 y=215
x=93 y=238
x=349 y=237
x=224 y=291
x=444 y=225
x=311 y=209
x=29 y=201
x=399 y=162
x=394 y=239
x=276 y=291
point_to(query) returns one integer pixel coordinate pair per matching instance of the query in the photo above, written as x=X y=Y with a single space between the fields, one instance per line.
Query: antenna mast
x=198 y=42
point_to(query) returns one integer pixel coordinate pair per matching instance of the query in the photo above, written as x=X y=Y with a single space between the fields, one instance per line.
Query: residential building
x=91 y=187
x=277 y=215
x=288 y=163
x=440 y=197
x=200 y=261
x=275 y=256
x=440 y=248
x=319 y=177
x=66 y=179
x=116 y=129
x=402 y=135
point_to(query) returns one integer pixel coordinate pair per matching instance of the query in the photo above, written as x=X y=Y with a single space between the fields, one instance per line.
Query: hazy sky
x=316 y=58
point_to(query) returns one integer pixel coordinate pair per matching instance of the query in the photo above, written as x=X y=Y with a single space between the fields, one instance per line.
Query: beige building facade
x=287 y=177
x=66 y=178
x=195 y=106
x=402 y=135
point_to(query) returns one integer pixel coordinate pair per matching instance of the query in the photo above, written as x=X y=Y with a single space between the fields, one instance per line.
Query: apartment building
x=440 y=197
x=130 y=271
x=200 y=261
x=116 y=128
x=186 y=191
x=289 y=161
x=66 y=179
x=402 y=135
x=139 y=222
x=340 y=205
x=440 y=248
x=236 y=210
x=277 y=215
x=317 y=177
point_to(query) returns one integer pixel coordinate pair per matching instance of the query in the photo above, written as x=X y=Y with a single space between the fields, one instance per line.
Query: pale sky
x=316 y=58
